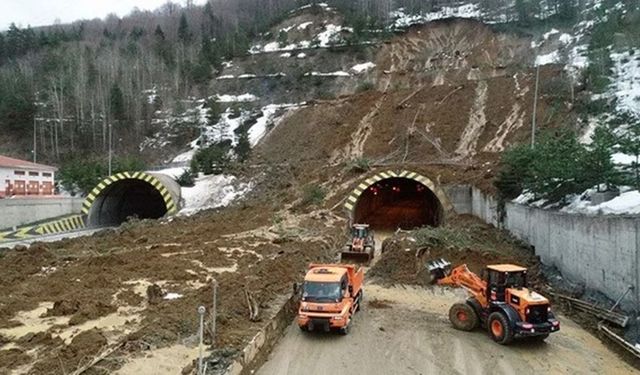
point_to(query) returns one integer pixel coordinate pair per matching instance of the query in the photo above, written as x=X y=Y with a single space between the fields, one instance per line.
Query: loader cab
x=501 y=277
x=360 y=231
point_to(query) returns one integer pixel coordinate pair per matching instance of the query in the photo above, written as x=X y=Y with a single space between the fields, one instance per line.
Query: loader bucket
x=438 y=269
x=355 y=257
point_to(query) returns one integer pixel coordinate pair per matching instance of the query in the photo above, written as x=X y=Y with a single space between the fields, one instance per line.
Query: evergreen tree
x=630 y=145
x=598 y=168
x=184 y=33
x=117 y=105
x=243 y=148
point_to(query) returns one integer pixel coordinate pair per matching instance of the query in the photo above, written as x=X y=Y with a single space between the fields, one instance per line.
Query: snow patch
x=285 y=55
x=627 y=203
x=304 y=26
x=549 y=58
x=331 y=74
x=236 y=98
x=403 y=20
x=361 y=68
x=172 y=296
x=626 y=86
x=212 y=192
x=227 y=76
x=260 y=128
x=172 y=172
x=623 y=159
x=551 y=32
x=301 y=55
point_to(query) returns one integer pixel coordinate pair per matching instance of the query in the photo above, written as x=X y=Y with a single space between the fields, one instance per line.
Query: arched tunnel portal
x=405 y=200
x=124 y=195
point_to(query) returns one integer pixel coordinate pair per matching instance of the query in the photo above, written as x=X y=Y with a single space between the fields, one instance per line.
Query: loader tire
x=463 y=317
x=369 y=250
x=499 y=328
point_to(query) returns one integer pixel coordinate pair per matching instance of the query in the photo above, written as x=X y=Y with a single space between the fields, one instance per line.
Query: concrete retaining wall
x=258 y=349
x=21 y=211
x=600 y=252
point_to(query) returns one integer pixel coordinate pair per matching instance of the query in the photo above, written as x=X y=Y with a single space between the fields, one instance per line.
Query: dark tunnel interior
x=398 y=203
x=124 y=199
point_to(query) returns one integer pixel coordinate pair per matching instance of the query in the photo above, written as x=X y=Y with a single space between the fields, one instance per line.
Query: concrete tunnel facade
x=390 y=200
x=131 y=194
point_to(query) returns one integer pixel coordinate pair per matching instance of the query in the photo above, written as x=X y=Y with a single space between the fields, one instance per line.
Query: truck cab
x=331 y=294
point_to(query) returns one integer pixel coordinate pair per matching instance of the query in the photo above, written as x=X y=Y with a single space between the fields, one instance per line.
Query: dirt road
x=413 y=336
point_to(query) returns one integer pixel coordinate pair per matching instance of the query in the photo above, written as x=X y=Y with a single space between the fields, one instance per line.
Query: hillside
x=280 y=111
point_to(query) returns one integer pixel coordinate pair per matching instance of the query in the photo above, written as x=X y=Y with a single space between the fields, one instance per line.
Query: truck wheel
x=345 y=330
x=463 y=317
x=360 y=298
x=499 y=328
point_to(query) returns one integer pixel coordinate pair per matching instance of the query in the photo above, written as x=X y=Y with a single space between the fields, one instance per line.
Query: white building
x=20 y=178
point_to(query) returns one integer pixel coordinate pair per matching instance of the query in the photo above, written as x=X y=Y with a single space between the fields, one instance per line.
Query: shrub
x=360 y=165
x=187 y=179
x=314 y=195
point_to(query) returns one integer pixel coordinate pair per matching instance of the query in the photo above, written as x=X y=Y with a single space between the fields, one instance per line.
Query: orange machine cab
x=331 y=294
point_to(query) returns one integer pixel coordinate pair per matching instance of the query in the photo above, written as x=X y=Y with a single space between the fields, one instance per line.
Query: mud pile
x=463 y=240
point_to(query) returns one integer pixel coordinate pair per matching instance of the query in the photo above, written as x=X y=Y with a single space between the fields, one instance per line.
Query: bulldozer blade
x=357 y=257
x=438 y=269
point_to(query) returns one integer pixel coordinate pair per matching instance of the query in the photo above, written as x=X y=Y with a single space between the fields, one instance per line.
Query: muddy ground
x=138 y=287
x=410 y=334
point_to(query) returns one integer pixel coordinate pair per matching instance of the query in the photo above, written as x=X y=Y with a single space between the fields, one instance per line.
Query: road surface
x=51 y=238
x=414 y=336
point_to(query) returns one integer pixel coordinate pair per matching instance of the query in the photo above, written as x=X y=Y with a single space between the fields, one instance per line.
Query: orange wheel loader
x=499 y=301
x=361 y=246
x=331 y=295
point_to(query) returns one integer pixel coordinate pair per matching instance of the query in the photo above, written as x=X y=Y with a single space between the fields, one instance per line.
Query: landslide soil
x=88 y=279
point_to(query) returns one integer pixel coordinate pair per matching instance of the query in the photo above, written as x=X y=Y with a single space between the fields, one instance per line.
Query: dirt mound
x=13 y=358
x=64 y=307
x=82 y=349
x=130 y=298
x=154 y=294
x=90 y=311
x=464 y=240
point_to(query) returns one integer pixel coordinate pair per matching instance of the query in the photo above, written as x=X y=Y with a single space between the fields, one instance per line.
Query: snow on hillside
x=626 y=82
x=212 y=192
x=331 y=35
x=402 y=20
x=268 y=118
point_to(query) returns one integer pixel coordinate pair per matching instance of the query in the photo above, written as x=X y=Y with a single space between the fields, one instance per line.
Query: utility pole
x=110 y=144
x=535 y=108
x=35 y=141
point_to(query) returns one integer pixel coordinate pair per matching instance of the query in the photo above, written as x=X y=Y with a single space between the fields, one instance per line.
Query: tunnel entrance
x=126 y=198
x=398 y=202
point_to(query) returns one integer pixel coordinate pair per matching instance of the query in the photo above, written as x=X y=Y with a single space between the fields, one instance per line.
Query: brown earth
x=263 y=244
x=463 y=240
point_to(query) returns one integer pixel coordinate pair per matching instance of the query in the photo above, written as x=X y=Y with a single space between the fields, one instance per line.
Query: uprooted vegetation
x=463 y=240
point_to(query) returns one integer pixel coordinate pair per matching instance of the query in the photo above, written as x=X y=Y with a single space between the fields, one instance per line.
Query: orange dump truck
x=331 y=294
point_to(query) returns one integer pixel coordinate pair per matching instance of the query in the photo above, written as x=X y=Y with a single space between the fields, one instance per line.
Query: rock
x=154 y=294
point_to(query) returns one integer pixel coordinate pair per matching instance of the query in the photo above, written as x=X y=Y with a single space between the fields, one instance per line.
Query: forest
x=78 y=85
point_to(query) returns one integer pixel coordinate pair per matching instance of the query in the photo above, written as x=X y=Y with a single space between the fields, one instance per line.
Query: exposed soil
x=463 y=240
x=379 y=304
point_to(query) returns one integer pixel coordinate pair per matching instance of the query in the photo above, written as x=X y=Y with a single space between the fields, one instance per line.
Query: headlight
x=337 y=318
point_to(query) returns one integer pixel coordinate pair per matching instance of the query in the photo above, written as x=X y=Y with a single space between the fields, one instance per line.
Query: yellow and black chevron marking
x=66 y=224
x=357 y=192
x=172 y=208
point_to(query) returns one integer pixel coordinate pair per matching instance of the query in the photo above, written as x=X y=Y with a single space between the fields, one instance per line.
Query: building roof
x=7 y=162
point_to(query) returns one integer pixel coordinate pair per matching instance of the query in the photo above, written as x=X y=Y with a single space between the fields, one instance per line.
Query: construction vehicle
x=500 y=301
x=331 y=294
x=361 y=247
